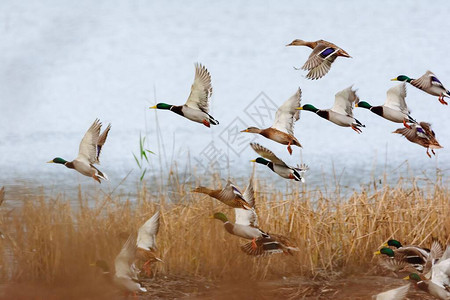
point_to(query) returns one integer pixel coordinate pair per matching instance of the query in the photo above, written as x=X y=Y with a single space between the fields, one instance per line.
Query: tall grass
x=49 y=240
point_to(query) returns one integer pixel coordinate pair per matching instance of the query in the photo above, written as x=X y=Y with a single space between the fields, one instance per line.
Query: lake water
x=65 y=63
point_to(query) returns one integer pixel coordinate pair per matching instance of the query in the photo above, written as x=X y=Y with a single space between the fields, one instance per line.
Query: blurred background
x=65 y=63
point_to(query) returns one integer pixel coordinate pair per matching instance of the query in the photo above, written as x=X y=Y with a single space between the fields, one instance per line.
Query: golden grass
x=49 y=240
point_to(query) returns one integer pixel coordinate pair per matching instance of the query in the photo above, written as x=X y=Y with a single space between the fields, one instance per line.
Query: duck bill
x=299 y=108
x=253 y=160
x=154 y=107
x=385 y=245
x=394 y=79
x=245 y=130
x=356 y=104
x=50 y=162
x=377 y=253
x=406 y=278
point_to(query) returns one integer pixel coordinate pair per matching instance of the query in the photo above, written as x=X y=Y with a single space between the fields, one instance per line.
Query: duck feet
x=96 y=178
x=206 y=123
x=441 y=99
x=289 y=148
x=147 y=268
x=432 y=151
x=406 y=125
x=254 y=247
x=356 y=129
x=429 y=155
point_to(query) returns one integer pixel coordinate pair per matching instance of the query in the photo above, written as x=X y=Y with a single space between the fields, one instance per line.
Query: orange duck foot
x=206 y=123
x=356 y=129
x=406 y=125
x=254 y=247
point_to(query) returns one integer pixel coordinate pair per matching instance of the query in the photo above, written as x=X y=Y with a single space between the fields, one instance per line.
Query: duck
x=89 y=153
x=394 y=109
x=229 y=195
x=126 y=274
x=428 y=83
x=146 y=243
x=323 y=55
x=421 y=134
x=342 y=111
x=429 y=286
x=393 y=294
x=277 y=165
x=411 y=256
x=246 y=226
x=282 y=130
x=196 y=107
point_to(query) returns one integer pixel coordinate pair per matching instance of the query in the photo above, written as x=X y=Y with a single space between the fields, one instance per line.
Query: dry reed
x=51 y=240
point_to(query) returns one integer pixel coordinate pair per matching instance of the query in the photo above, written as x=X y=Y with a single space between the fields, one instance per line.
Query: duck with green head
x=394 y=109
x=433 y=288
x=196 y=107
x=278 y=166
x=89 y=153
x=342 y=111
x=126 y=274
x=323 y=55
x=428 y=83
x=246 y=226
x=282 y=130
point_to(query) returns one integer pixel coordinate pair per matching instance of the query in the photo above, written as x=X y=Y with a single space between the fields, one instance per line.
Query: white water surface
x=65 y=63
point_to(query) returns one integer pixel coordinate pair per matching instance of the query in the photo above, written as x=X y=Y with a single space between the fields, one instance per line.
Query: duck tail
x=100 y=174
x=212 y=120
x=359 y=124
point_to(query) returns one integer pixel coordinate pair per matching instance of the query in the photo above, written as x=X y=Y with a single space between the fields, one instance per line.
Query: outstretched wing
x=286 y=114
x=101 y=141
x=426 y=81
x=320 y=60
x=201 y=89
x=88 y=146
x=146 y=238
x=247 y=216
x=343 y=102
x=266 y=153
x=125 y=258
x=396 y=98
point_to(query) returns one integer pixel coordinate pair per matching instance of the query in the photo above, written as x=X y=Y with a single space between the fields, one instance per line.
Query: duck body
x=246 y=226
x=421 y=134
x=229 y=195
x=428 y=83
x=342 y=111
x=323 y=55
x=277 y=165
x=196 y=107
x=394 y=109
x=282 y=131
x=89 y=153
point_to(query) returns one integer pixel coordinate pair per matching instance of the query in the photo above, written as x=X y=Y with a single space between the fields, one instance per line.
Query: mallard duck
x=277 y=165
x=282 y=130
x=323 y=55
x=428 y=83
x=421 y=134
x=394 y=294
x=146 y=242
x=429 y=286
x=246 y=226
x=394 y=109
x=125 y=276
x=89 y=153
x=342 y=111
x=410 y=255
x=196 y=107
x=229 y=195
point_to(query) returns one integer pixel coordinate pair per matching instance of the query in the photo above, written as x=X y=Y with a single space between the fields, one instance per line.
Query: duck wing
x=343 y=102
x=426 y=81
x=266 y=153
x=101 y=141
x=248 y=217
x=146 y=238
x=201 y=89
x=125 y=258
x=88 y=146
x=287 y=114
x=395 y=98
